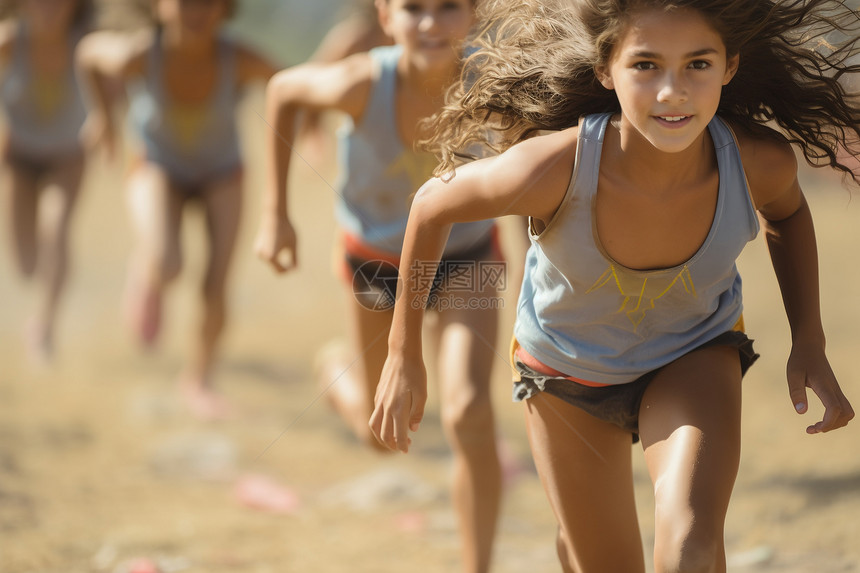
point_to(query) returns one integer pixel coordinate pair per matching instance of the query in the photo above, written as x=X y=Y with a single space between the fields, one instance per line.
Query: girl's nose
x=428 y=21
x=673 y=89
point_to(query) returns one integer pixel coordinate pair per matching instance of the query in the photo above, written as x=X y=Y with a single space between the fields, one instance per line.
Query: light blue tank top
x=379 y=174
x=585 y=315
x=194 y=144
x=44 y=116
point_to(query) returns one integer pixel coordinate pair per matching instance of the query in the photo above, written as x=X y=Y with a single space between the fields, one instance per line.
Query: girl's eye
x=700 y=65
x=412 y=7
x=642 y=66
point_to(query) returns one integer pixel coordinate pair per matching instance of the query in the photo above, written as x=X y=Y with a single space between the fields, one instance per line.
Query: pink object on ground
x=143 y=565
x=261 y=492
x=411 y=522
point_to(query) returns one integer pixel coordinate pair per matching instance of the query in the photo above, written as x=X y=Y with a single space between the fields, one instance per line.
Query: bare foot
x=203 y=402
x=343 y=392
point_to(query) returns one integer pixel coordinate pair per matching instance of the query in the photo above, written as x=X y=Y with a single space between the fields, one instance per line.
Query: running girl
x=673 y=122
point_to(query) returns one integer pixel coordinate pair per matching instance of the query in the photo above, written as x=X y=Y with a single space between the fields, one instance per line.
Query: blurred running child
x=384 y=93
x=42 y=155
x=184 y=80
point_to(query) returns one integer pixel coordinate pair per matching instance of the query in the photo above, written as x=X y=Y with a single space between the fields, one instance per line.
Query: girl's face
x=668 y=70
x=197 y=17
x=430 y=29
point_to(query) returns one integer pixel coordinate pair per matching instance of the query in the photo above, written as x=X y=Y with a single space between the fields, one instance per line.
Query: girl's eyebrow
x=655 y=56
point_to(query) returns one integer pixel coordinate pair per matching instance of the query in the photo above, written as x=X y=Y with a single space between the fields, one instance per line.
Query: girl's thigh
x=467 y=349
x=21 y=200
x=155 y=209
x=689 y=423
x=62 y=185
x=585 y=465
x=368 y=332
x=222 y=200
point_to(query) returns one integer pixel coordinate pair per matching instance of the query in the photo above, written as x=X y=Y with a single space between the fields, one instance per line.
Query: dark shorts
x=37 y=167
x=374 y=282
x=618 y=403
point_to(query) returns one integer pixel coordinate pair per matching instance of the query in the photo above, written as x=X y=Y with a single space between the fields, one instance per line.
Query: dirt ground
x=101 y=466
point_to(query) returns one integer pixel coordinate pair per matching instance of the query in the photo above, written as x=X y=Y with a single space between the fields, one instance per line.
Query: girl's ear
x=604 y=78
x=731 y=68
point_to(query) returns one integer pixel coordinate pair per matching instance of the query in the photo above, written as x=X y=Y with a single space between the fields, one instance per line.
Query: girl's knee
x=688 y=548
x=26 y=263
x=214 y=292
x=160 y=267
x=468 y=419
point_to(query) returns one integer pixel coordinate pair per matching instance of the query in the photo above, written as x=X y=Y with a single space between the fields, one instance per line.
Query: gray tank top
x=585 y=315
x=44 y=115
x=379 y=174
x=194 y=144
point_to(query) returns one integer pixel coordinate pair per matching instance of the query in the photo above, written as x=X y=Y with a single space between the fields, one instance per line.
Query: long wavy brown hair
x=532 y=67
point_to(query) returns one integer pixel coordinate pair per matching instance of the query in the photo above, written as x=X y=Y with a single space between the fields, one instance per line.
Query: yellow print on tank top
x=416 y=167
x=186 y=123
x=48 y=94
x=640 y=294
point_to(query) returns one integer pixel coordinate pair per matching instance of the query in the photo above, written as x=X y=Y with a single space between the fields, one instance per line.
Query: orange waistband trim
x=523 y=356
x=355 y=247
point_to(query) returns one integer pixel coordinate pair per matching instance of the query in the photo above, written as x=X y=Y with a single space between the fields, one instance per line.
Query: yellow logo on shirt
x=187 y=123
x=417 y=167
x=48 y=94
x=640 y=294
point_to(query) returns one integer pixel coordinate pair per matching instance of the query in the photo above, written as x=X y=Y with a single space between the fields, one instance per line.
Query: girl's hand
x=808 y=367
x=276 y=243
x=399 y=403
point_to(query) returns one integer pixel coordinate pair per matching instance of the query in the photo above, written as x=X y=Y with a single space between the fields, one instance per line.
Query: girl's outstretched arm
x=343 y=86
x=102 y=58
x=790 y=238
x=529 y=179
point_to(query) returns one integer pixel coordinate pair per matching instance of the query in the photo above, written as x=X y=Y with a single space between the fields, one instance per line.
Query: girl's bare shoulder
x=252 y=65
x=769 y=163
x=343 y=85
x=531 y=177
x=123 y=53
x=546 y=156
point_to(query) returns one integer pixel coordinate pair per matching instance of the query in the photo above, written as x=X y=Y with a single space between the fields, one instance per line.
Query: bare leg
x=690 y=429
x=585 y=466
x=350 y=378
x=155 y=209
x=223 y=205
x=60 y=195
x=466 y=357
x=22 y=200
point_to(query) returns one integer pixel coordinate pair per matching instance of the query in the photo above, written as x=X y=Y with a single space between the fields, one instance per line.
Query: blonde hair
x=532 y=67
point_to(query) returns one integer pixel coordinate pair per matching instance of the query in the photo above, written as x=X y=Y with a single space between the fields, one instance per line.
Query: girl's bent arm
x=343 y=86
x=102 y=57
x=530 y=179
x=790 y=237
